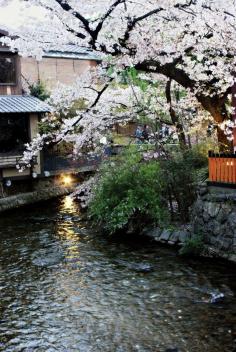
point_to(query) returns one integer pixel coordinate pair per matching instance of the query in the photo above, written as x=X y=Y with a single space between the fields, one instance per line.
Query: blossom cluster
x=198 y=36
x=85 y=191
x=189 y=42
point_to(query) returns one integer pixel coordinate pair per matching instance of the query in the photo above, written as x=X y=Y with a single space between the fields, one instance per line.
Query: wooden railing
x=8 y=161
x=20 y=162
x=222 y=168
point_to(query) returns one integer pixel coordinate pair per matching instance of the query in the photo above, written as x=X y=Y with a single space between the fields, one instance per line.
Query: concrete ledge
x=22 y=199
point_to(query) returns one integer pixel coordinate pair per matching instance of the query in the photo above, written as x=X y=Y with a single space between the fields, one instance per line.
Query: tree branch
x=66 y=7
x=169 y=70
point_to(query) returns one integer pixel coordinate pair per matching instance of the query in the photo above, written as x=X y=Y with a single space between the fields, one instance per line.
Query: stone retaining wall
x=214 y=216
x=170 y=236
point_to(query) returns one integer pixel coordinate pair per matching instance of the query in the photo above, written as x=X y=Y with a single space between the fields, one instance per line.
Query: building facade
x=58 y=66
x=20 y=113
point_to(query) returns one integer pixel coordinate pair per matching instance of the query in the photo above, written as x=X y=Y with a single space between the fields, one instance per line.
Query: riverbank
x=45 y=190
x=183 y=237
x=213 y=218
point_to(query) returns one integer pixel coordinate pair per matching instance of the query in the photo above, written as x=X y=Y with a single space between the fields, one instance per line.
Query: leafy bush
x=193 y=247
x=179 y=174
x=39 y=90
x=129 y=190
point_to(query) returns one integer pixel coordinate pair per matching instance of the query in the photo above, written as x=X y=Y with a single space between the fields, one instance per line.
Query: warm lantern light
x=67 y=180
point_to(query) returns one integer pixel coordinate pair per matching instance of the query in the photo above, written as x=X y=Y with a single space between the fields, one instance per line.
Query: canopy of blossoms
x=189 y=42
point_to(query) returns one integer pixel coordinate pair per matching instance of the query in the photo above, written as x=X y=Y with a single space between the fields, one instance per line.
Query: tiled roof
x=71 y=51
x=21 y=104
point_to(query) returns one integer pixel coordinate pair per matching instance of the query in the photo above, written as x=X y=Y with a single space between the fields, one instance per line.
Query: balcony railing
x=8 y=161
x=222 y=168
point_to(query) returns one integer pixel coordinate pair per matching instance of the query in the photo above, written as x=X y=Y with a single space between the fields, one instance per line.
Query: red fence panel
x=222 y=168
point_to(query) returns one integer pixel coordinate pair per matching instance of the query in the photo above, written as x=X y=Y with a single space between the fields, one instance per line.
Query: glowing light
x=8 y=183
x=67 y=180
x=34 y=174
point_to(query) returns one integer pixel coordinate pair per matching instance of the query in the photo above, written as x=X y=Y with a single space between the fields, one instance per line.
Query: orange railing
x=222 y=168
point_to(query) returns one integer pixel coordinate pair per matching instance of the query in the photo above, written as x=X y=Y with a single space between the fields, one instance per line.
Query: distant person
x=162 y=131
x=167 y=132
x=145 y=133
x=109 y=149
x=138 y=134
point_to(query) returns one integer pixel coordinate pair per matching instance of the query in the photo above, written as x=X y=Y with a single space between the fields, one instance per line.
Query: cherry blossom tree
x=188 y=42
x=83 y=112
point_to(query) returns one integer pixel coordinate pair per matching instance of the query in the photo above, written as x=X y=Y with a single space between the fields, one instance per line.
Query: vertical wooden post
x=234 y=114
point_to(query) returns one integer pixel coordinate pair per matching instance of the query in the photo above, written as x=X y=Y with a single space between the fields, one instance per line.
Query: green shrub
x=129 y=190
x=39 y=90
x=180 y=177
x=193 y=247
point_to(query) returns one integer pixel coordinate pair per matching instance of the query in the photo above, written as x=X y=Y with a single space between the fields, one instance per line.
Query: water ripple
x=64 y=288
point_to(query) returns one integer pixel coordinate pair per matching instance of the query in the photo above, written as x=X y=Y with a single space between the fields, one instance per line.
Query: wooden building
x=19 y=117
x=57 y=66
x=20 y=113
x=62 y=66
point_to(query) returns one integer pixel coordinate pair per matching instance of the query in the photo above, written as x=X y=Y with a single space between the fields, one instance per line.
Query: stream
x=65 y=287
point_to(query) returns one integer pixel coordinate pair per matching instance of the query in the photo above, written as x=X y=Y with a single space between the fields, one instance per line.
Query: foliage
x=203 y=147
x=193 y=246
x=133 y=191
x=39 y=90
x=129 y=190
x=179 y=177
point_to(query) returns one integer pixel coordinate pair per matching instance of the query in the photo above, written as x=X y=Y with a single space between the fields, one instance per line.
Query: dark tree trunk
x=217 y=108
x=214 y=105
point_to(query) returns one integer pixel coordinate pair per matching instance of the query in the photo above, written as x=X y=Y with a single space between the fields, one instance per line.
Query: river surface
x=66 y=288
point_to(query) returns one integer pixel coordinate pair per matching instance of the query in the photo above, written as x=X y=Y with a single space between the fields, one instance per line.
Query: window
x=13 y=133
x=7 y=70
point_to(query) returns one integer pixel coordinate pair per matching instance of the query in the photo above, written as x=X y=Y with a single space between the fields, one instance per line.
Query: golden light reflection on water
x=66 y=229
x=67 y=232
x=68 y=205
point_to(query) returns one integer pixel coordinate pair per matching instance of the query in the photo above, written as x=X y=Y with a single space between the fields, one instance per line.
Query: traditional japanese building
x=19 y=116
x=20 y=113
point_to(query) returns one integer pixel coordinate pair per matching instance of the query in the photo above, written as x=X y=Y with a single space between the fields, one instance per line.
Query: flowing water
x=66 y=288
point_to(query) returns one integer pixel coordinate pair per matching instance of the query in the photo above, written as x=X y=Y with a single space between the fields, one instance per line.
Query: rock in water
x=217 y=297
x=143 y=268
x=138 y=267
x=47 y=257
